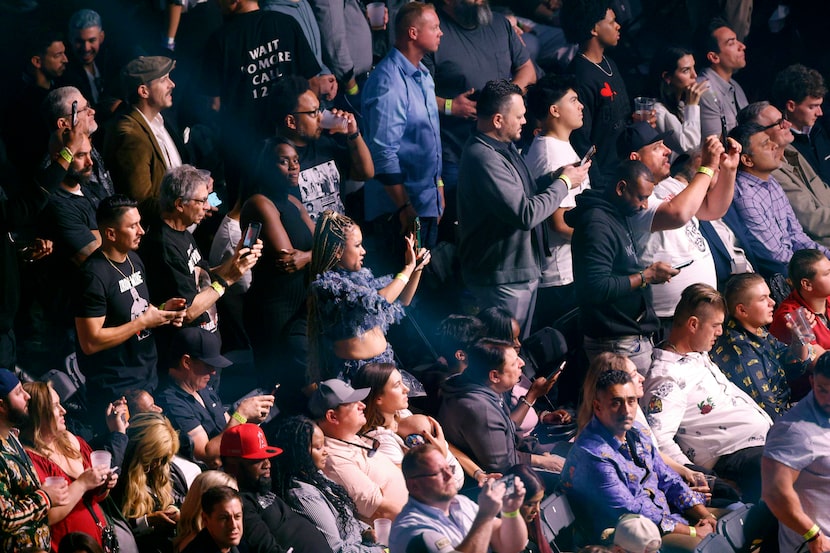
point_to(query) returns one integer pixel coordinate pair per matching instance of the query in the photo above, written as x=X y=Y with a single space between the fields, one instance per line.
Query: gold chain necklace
x=132 y=267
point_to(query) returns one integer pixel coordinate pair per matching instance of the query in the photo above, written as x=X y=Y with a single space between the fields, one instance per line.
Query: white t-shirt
x=546 y=154
x=675 y=247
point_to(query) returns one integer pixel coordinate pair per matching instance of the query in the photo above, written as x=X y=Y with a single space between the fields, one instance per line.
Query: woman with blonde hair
x=349 y=310
x=190 y=518
x=151 y=488
x=57 y=452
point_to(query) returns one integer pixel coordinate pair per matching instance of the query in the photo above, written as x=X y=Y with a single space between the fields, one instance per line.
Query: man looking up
x=502 y=208
x=725 y=55
x=401 y=122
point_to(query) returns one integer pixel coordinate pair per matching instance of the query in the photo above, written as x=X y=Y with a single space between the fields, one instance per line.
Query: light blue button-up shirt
x=401 y=127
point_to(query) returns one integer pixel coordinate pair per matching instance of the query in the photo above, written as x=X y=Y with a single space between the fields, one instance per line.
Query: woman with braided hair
x=349 y=310
x=300 y=481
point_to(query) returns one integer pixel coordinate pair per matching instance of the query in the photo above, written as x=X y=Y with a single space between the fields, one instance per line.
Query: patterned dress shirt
x=605 y=478
x=23 y=505
x=759 y=365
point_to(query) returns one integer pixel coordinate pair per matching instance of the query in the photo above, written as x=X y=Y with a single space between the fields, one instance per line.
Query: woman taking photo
x=57 y=452
x=274 y=308
x=678 y=101
x=151 y=488
x=349 y=309
x=301 y=482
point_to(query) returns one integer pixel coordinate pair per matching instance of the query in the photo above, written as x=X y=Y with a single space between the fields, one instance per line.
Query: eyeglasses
x=443 y=471
x=197 y=200
x=781 y=123
x=313 y=113
x=80 y=111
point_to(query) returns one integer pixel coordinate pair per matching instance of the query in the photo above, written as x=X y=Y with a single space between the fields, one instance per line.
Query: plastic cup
x=376 y=12
x=710 y=481
x=643 y=106
x=333 y=122
x=100 y=457
x=54 y=481
x=382 y=528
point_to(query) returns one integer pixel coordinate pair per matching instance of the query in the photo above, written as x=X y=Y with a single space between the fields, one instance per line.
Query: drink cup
x=54 y=481
x=100 y=457
x=376 y=12
x=382 y=528
x=334 y=122
x=643 y=106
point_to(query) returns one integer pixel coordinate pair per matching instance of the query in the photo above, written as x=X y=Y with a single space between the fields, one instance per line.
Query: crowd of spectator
x=291 y=275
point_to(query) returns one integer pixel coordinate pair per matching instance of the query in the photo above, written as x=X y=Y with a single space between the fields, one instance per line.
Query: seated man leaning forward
x=436 y=519
x=614 y=468
x=373 y=482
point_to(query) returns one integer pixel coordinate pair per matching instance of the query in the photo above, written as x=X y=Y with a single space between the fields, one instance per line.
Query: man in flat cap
x=140 y=146
x=25 y=502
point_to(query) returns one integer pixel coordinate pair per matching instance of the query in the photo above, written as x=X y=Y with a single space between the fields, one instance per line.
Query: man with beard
x=140 y=146
x=795 y=469
x=477 y=46
x=26 y=502
x=24 y=132
x=113 y=317
x=437 y=519
x=57 y=110
x=696 y=414
x=614 y=468
x=270 y=524
x=90 y=67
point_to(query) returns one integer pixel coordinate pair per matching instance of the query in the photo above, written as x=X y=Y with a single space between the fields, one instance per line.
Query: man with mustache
x=698 y=416
x=612 y=444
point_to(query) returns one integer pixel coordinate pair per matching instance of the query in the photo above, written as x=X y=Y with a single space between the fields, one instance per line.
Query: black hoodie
x=604 y=255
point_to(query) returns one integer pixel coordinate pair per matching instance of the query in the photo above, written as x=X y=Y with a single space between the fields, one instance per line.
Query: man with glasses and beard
x=270 y=524
x=26 y=502
x=437 y=519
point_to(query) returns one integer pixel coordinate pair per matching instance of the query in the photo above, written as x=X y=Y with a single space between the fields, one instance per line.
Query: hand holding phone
x=251 y=235
x=556 y=371
x=683 y=264
x=588 y=155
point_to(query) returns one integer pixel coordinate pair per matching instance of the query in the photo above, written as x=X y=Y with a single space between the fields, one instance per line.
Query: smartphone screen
x=74 y=113
x=723 y=132
x=417 y=234
x=251 y=235
x=588 y=155
x=213 y=200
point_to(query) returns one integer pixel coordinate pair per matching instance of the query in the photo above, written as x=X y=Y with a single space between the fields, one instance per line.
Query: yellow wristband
x=66 y=154
x=692 y=532
x=218 y=287
x=239 y=418
x=811 y=533
x=448 y=106
x=564 y=178
x=353 y=90
x=706 y=171
x=511 y=514
x=440 y=183
x=402 y=277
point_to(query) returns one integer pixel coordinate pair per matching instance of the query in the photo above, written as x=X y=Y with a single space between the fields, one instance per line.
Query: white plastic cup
x=643 y=106
x=334 y=122
x=54 y=481
x=376 y=12
x=382 y=528
x=100 y=457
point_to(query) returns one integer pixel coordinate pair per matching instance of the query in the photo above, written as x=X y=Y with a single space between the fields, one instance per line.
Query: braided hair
x=330 y=235
x=294 y=437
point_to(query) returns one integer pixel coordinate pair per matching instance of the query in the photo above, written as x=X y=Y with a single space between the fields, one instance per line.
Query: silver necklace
x=132 y=268
x=610 y=71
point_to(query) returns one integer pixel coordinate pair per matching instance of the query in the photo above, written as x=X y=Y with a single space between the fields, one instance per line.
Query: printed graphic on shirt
x=139 y=304
x=263 y=66
x=706 y=406
x=320 y=189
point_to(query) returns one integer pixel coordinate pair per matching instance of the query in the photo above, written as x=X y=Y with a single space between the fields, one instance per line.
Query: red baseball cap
x=246 y=441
